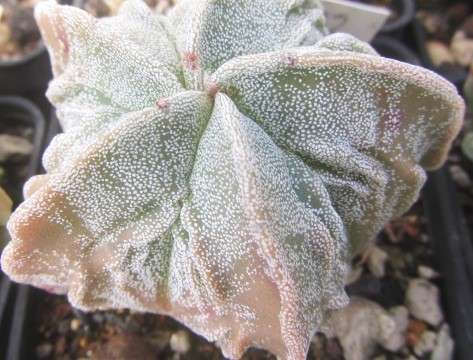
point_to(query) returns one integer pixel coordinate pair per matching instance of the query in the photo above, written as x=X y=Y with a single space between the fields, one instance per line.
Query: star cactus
x=221 y=165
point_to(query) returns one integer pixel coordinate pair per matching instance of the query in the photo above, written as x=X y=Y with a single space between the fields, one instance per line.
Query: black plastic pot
x=6 y=306
x=448 y=230
x=30 y=73
x=406 y=11
x=454 y=253
x=17 y=111
x=28 y=77
x=393 y=48
x=21 y=344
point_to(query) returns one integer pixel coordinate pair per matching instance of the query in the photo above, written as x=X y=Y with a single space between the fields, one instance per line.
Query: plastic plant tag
x=360 y=20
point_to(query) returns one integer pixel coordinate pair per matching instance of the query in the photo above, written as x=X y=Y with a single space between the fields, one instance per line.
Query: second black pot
x=16 y=111
x=28 y=77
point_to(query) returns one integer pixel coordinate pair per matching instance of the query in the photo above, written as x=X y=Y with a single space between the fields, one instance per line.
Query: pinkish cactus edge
x=222 y=164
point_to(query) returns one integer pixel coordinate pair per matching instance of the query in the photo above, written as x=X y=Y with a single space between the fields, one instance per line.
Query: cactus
x=220 y=165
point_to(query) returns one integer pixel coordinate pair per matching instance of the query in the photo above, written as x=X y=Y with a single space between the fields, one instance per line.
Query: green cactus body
x=221 y=165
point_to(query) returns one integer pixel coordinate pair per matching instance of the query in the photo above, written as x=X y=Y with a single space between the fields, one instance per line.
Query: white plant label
x=360 y=20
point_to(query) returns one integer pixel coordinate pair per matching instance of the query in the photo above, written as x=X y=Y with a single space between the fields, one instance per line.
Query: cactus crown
x=219 y=165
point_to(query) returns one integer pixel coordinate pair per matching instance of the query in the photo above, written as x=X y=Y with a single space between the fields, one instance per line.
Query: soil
x=19 y=34
x=441 y=18
x=448 y=26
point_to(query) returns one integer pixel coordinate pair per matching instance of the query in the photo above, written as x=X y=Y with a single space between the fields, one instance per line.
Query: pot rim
x=40 y=49
x=408 y=9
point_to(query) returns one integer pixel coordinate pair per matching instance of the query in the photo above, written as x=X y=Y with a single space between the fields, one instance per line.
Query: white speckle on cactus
x=221 y=165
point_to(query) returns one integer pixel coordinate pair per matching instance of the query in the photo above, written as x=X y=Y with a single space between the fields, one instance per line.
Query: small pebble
x=14 y=148
x=460 y=176
x=439 y=53
x=376 y=261
x=427 y=272
x=415 y=331
x=75 y=324
x=396 y=340
x=426 y=343
x=444 y=348
x=361 y=327
x=424 y=238
x=422 y=300
x=400 y=315
x=180 y=342
x=462 y=48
